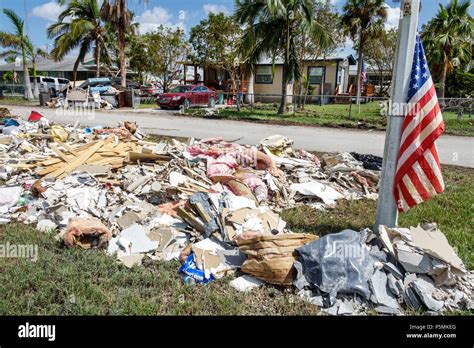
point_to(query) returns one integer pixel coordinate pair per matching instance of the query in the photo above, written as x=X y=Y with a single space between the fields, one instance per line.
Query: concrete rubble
x=214 y=206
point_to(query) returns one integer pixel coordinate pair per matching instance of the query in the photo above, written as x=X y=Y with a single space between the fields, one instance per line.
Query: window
x=339 y=76
x=63 y=81
x=263 y=74
x=315 y=74
x=48 y=80
x=180 y=89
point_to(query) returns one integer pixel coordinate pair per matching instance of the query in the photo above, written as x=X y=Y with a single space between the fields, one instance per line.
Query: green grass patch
x=148 y=106
x=333 y=115
x=20 y=101
x=72 y=281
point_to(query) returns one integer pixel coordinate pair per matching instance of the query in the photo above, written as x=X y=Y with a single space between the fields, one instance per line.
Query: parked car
x=150 y=91
x=97 y=84
x=187 y=96
x=128 y=83
x=50 y=84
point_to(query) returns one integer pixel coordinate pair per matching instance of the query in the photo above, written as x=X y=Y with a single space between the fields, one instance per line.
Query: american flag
x=418 y=176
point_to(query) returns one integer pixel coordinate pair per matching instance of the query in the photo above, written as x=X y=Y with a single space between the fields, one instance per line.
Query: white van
x=50 y=84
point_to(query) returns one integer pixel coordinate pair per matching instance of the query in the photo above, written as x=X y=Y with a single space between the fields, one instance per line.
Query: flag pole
x=387 y=209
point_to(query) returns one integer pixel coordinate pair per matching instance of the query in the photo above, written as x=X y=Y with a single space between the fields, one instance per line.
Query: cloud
x=48 y=11
x=214 y=8
x=150 y=20
x=393 y=17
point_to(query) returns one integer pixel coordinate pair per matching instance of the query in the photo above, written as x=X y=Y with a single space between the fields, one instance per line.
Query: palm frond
x=15 y=20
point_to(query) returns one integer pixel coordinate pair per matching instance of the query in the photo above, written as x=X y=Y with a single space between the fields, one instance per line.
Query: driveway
x=454 y=150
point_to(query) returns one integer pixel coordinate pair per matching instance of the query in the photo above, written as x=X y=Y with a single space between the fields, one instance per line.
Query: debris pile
x=214 y=206
x=350 y=272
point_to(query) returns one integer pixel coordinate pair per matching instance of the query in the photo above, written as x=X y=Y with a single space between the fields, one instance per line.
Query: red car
x=187 y=96
x=149 y=91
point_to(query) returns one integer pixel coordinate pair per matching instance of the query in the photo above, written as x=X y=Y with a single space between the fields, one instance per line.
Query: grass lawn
x=20 y=101
x=78 y=282
x=333 y=115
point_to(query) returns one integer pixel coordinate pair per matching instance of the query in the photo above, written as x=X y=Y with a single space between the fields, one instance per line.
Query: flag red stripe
x=434 y=151
x=430 y=174
x=406 y=195
x=429 y=140
x=418 y=184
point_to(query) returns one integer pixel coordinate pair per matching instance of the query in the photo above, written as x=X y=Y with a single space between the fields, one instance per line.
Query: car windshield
x=180 y=89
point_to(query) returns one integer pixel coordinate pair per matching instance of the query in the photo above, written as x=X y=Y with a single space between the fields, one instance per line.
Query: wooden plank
x=49 y=162
x=50 y=169
x=77 y=161
x=68 y=148
x=60 y=154
x=108 y=160
x=144 y=157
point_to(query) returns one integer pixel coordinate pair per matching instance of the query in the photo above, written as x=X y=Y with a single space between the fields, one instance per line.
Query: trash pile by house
x=214 y=206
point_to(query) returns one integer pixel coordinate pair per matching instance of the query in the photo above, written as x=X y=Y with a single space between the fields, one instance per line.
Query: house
x=63 y=68
x=324 y=77
x=48 y=67
x=374 y=77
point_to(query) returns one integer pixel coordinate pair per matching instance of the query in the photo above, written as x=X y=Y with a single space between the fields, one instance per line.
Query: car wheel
x=186 y=104
x=211 y=103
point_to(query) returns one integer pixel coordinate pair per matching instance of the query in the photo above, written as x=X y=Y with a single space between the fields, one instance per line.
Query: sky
x=176 y=13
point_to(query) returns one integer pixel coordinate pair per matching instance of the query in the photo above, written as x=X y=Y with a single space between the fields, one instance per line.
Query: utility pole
x=387 y=208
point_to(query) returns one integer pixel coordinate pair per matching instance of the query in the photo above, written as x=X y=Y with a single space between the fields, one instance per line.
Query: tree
x=116 y=13
x=313 y=46
x=32 y=54
x=113 y=52
x=167 y=49
x=140 y=58
x=460 y=85
x=18 y=41
x=272 y=29
x=448 y=37
x=363 y=20
x=379 y=52
x=214 y=43
x=79 y=26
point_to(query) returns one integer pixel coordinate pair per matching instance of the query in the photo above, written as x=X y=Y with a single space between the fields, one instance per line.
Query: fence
x=13 y=90
x=343 y=106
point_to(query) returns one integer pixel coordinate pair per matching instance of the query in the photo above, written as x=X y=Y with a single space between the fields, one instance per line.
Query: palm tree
x=113 y=53
x=18 y=41
x=116 y=13
x=79 y=26
x=448 y=37
x=362 y=19
x=273 y=30
x=32 y=53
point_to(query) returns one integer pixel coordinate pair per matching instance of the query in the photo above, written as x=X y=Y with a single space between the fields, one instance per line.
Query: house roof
x=42 y=64
x=279 y=61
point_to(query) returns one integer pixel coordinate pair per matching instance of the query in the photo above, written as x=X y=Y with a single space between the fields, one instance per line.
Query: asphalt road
x=454 y=150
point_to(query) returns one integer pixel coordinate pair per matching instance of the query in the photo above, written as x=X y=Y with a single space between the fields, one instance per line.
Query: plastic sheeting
x=371 y=162
x=339 y=262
